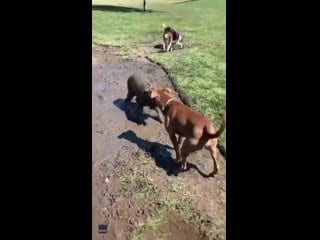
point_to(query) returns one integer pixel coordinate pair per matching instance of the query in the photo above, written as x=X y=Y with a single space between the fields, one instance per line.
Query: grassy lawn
x=200 y=68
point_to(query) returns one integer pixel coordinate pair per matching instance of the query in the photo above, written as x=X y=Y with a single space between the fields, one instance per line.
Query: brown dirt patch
x=133 y=172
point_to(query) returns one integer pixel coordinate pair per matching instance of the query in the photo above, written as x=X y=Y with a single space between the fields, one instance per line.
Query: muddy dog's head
x=148 y=101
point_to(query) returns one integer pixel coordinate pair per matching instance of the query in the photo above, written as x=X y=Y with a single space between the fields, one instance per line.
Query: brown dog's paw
x=184 y=166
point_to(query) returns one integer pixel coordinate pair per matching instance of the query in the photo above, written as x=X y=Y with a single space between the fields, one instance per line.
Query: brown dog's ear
x=167 y=90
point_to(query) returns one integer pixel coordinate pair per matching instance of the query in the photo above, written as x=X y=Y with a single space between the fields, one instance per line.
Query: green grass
x=145 y=230
x=138 y=182
x=154 y=223
x=175 y=187
x=200 y=68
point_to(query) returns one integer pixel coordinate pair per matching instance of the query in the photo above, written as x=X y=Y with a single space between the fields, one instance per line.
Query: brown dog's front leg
x=159 y=114
x=186 y=149
x=172 y=137
x=176 y=146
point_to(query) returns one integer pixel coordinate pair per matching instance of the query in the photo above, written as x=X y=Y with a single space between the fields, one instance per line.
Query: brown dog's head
x=160 y=97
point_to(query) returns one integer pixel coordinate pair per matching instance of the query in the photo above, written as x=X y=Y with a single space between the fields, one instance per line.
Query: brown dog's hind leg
x=214 y=154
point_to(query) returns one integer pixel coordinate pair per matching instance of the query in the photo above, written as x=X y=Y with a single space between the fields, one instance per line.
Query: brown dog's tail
x=220 y=131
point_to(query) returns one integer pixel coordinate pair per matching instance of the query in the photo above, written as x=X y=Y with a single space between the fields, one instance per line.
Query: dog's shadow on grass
x=161 y=50
x=159 y=152
x=187 y=1
x=112 y=8
x=132 y=113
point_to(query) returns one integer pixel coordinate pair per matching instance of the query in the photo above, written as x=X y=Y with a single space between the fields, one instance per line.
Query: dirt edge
x=182 y=95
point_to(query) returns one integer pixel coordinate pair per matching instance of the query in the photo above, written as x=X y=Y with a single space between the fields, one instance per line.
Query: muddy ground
x=136 y=190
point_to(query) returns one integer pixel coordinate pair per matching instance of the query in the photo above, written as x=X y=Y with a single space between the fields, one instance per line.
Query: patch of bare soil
x=135 y=189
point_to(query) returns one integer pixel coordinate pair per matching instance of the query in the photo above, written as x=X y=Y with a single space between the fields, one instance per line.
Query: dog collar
x=166 y=103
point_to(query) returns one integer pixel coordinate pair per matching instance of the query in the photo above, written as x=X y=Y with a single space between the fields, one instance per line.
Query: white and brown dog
x=170 y=37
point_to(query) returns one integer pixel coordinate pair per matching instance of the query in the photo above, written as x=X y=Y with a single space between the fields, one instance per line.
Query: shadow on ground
x=132 y=113
x=175 y=48
x=185 y=1
x=159 y=152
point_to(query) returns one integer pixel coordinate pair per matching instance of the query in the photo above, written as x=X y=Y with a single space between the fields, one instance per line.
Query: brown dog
x=198 y=131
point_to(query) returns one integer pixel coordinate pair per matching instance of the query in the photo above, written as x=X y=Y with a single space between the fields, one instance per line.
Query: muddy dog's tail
x=220 y=131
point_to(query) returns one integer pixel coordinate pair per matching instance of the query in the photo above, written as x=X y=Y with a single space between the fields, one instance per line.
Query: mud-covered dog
x=197 y=130
x=170 y=37
x=137 y=87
